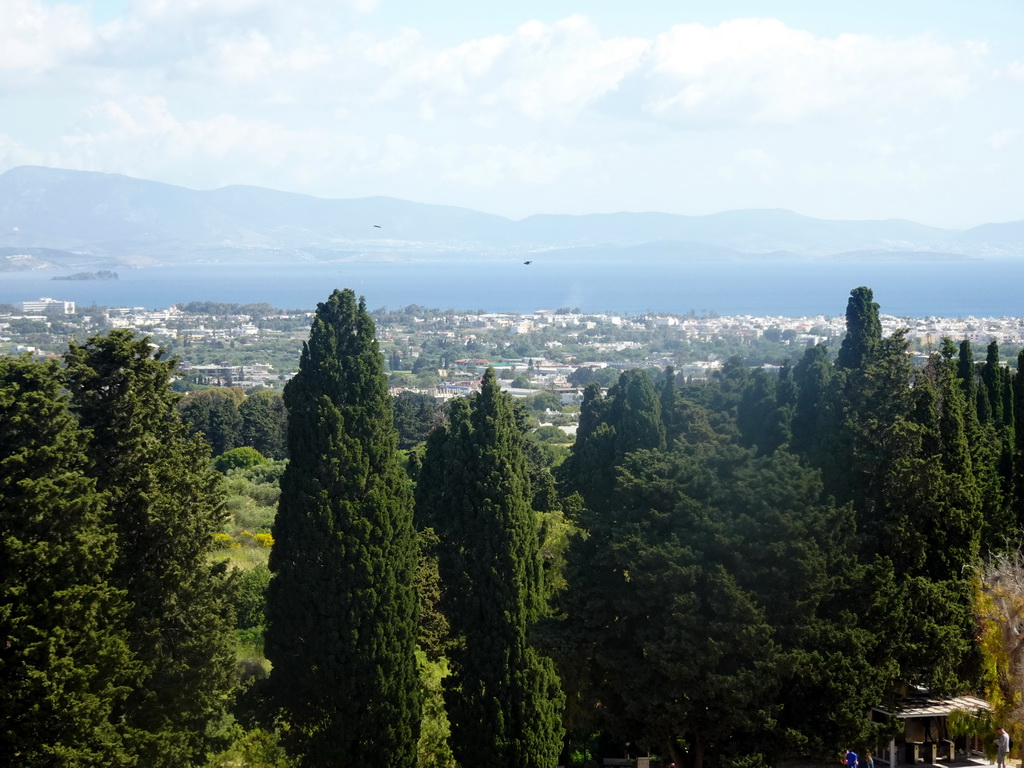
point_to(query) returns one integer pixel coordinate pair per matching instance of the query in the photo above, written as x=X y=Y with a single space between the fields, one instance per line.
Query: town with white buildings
x=444 y=351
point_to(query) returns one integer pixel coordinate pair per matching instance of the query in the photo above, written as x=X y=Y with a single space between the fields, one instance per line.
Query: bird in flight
x=527 y=262
x=377 y=226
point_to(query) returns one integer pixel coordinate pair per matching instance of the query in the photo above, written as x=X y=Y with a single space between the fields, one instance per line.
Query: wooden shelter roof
x=935 y=706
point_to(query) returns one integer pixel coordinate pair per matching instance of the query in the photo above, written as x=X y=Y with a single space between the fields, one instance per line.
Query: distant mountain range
x=51 y=218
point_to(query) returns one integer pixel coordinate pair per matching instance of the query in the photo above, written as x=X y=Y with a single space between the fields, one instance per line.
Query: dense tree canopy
x=727 y=572
x=730 y=502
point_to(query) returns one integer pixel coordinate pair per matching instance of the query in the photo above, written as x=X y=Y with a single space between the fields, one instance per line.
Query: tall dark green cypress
x=863 y=330
x=628 y=419
x=165 y=506
x=989 y=449
x=636 y=412
x=813 y=413
x=1018 y=441
x=265 y=423
x=667 y=395
x=341 y=606
x=64 y=660
x=991 y=380
x=503 y=698
x=966 y=371
x=761 y=421
x=587 y=469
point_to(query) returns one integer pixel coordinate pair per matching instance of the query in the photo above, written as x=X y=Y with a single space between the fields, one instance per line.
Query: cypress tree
x=165 y=506
x=965 y=371
x=628 y=419
x=1018 y=441
x=341 y=606
x=1006 y=385
x=636 y=413
x=64 y=661
x=265 y=423
x=762 y=423
x=991 y=380
x=996 y=415
x=587 y=469
x=863 y=330
x=503 y=697
x=989 y=449
x=933 y=522
x=812 y=413
x=215 y=413
x=667 y=395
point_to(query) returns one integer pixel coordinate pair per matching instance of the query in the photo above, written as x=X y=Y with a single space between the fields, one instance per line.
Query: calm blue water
x=948 y=289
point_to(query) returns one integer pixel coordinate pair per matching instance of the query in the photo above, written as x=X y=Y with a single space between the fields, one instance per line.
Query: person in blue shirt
x=850 y=759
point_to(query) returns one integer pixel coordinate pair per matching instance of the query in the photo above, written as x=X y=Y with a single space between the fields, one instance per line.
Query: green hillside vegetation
x=716 y=573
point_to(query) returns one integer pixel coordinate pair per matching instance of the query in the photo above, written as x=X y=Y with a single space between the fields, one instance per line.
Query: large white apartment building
x=47 y=307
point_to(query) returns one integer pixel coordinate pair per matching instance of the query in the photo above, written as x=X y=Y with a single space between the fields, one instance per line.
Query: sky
x=906 y=109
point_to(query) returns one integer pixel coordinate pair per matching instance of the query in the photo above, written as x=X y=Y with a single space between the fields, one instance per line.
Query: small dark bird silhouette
x=527 y=262
x=377 y=226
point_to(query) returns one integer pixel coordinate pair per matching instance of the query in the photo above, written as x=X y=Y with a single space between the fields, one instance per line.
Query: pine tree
x=64 y=661
x=341 y=607
x=503 y=697
x=164 y=502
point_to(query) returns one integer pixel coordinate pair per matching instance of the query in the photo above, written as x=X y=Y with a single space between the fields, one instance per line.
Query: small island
x=103 y=274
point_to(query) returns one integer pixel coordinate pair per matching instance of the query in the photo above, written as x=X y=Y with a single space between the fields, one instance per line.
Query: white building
x=47 y=307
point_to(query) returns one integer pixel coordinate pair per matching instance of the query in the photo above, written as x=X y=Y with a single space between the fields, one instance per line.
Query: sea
x=913 y=289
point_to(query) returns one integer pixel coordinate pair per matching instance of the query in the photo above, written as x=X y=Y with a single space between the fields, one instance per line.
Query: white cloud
x=157 y=141
x=541 y=71
x=1004 y=138
x=35 y=37
x=752 y=162
x=14 y=153
x=890 y=175
x=178 y=11
x=219 y=55
x=364 y=6
x=152 y=142
x=255 y=60
x=763 y=71
x=487 y=166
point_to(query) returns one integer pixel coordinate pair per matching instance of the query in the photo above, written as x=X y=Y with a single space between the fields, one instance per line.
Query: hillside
x=101 y=220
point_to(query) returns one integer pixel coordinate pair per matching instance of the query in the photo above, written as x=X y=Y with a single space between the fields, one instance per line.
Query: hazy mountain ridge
x=96 y=220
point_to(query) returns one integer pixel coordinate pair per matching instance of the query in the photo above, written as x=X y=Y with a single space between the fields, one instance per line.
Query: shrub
x=250 y=597
x=238 y=457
